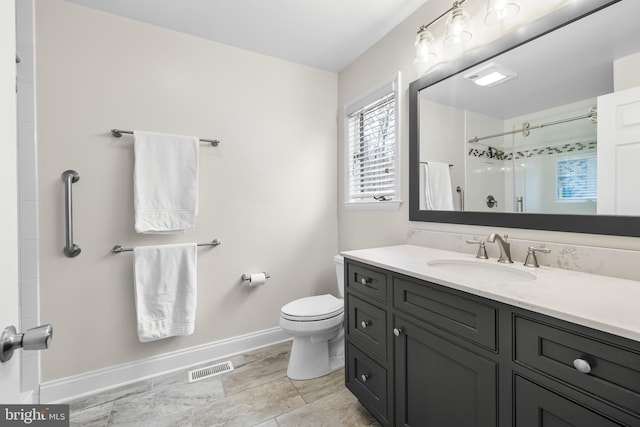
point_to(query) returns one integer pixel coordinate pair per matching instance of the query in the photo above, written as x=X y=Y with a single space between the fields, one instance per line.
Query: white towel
x=437 y=187
x=165 y=182
x=165 y=290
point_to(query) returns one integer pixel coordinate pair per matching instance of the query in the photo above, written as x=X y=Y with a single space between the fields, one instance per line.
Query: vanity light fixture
x=500 y=10
x=425 y=47
x=490 y=74
x=457 y=27
x=456 y=23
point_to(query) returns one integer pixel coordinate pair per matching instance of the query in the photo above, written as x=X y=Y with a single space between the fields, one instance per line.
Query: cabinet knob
x=398 y=331
x=365 y=323
x=582 y=366
x=365 y=281
x=364 y=378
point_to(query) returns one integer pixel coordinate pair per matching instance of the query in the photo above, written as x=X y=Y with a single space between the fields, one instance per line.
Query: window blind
x=372 y=150
x=576 y=178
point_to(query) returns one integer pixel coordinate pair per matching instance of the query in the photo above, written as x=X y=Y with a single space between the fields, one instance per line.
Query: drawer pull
x=365 y=323
x=364 y=378
x=365 y=281
x=582 y=366
x=398 y=331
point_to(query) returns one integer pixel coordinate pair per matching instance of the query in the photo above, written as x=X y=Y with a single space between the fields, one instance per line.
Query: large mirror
x=556 y=146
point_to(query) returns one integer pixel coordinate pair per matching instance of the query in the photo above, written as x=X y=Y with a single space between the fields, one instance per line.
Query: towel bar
x=118 y=133
x=117 y=248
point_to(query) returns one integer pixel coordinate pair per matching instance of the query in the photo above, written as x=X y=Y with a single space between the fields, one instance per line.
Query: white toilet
x=317 y=326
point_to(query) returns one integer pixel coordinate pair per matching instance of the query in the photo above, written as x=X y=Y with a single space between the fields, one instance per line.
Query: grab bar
x=69 y=177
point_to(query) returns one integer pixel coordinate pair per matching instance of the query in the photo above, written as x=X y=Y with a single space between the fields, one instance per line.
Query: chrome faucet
x=505 y=248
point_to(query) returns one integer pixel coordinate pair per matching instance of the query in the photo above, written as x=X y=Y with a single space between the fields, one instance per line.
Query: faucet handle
x=482 y=250
x=532 y=260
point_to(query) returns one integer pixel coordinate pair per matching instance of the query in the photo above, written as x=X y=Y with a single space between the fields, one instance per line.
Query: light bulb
x=425 y=44
x=457 y=24
x=500 y=10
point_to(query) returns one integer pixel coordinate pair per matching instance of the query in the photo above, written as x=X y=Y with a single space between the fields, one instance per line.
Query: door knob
x=38 y=338
x=398 y=331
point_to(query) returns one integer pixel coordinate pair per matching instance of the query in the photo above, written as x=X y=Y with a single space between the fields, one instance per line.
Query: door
x=9 y=314
x=618 y=152
x=439 y=383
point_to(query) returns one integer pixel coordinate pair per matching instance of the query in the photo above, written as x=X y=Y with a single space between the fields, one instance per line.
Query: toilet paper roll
x=257 y=279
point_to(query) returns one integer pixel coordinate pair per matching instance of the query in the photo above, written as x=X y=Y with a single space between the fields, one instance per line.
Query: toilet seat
x=314 y=308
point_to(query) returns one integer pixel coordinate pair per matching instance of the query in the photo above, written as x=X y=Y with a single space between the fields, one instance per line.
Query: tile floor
x=256 y=393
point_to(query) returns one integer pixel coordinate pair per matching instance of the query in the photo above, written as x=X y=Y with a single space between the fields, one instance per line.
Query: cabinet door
x=537 y=406
x=439 y=383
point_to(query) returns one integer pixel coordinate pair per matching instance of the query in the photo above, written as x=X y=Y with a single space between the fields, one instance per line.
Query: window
x=576 y=178
x=371 y=149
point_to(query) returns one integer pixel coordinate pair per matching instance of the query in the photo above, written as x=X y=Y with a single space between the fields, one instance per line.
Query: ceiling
x=326 y=34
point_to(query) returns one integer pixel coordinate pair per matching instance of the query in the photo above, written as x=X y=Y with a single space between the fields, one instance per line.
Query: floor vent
x=210 y=371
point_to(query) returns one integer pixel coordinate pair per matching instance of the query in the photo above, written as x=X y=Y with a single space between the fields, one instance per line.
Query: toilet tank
x=339 y=262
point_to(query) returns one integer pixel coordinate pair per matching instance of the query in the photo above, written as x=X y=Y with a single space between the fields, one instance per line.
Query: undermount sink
x=487 y=270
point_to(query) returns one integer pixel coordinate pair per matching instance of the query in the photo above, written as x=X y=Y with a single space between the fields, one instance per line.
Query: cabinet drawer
x=536 y=406
x=367 y=280
x=615 y=371
x=368 y=381
x=459 y=315
x=367 y=325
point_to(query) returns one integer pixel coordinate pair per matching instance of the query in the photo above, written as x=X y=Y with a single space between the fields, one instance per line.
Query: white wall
x=366 y=229
x=626 y=72
x=439 y=120
x=267 y=192
x=28 y=167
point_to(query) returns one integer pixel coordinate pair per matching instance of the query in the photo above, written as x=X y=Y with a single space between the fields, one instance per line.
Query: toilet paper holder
x=247 y=277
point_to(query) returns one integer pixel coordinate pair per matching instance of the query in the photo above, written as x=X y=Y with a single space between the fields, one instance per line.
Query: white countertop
x=605 y=303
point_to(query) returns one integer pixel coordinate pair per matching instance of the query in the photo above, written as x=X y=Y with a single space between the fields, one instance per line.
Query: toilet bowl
x=317 y=326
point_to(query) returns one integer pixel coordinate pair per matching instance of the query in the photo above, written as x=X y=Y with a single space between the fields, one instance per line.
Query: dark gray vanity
x=422 y=354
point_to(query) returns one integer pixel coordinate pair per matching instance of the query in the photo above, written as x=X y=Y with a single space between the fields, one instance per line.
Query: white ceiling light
x=490 y=74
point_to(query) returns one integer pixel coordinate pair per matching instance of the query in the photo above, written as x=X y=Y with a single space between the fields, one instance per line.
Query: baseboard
x=69 y=388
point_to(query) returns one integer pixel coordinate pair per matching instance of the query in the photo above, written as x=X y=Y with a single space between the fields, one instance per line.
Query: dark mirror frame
x=600 y=224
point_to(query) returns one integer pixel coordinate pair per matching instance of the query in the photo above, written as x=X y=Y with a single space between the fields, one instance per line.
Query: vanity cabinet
x=439 y=383
x=440 y=377
x=423 y=354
